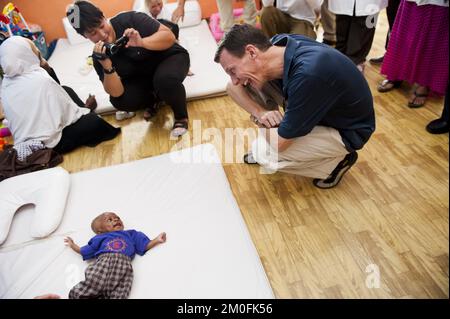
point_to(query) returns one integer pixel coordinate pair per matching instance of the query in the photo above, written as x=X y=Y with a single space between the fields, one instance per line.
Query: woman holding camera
x=150 y=67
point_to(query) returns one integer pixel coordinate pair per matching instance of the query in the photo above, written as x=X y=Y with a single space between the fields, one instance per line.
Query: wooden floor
x=388 y=216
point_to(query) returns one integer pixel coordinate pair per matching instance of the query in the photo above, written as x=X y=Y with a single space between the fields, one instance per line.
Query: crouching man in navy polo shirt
x=328 y=107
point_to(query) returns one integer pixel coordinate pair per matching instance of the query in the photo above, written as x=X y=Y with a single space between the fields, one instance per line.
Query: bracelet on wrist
x=109 y=71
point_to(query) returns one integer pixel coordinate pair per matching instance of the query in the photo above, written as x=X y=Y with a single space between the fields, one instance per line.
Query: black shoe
x=438 y=126
x=248 y=159
x=377 y=60
x=328 y=42
x=337 y=174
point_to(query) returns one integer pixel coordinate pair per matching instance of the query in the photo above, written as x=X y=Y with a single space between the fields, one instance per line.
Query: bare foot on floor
x=48 y=296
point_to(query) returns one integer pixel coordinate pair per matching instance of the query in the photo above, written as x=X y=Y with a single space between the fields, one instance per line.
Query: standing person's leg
x=442 y=124
x=360 y=40
x=321 y=155
x=391 y=12
x=273 y=21
x=168 y=83
x=89 y=130
x=328 y=20
x=343 y=23
x=226 y=14
x=302 y=27
x=250 y=12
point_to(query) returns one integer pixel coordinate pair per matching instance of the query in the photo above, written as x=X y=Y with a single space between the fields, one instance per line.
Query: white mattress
x=209 y=79
x=208 y=253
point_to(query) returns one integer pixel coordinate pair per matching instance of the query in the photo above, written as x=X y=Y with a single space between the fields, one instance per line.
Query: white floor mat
x=208 y=253
x=208 y=80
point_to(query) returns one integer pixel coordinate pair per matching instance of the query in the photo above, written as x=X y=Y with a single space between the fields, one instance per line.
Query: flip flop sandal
x=179 y=128
x=382 y=87
x=417 y=105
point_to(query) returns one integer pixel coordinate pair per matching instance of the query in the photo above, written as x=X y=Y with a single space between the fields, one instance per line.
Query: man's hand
x=135 y=39
x=178 y=14
x=270 y=119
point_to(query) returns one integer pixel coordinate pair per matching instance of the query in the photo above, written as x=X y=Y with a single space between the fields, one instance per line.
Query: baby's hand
x=69 y=241
x=161 y=238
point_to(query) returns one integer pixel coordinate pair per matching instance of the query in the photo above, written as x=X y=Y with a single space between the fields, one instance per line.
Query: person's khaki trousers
x=226 y=13
x=328 y=20
x=314 y=155
x=274 y=21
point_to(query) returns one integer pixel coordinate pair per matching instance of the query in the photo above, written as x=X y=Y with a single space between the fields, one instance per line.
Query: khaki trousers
x=226 y=13
x=328 y=20
x=274 y=21
x=314 y=155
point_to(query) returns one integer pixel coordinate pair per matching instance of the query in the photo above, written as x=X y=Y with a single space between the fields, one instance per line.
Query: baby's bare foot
x=48 y=296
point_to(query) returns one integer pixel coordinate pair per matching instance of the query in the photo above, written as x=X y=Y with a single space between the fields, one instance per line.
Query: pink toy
x=4 y=131
x=214 y=23
x=2 y=144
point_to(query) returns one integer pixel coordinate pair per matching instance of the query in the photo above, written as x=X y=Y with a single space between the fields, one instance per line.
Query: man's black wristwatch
x=110 y=71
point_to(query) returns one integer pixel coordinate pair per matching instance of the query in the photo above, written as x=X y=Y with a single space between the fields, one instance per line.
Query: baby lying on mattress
x=111 y=275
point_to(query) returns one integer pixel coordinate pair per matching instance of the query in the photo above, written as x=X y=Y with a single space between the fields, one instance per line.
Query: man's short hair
x=84 y=16
x=239 y=37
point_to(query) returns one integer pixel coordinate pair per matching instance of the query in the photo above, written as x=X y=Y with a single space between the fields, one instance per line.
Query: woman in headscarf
x=38 y=109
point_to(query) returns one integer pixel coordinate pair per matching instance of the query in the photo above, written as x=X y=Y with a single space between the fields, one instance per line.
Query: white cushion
x=192 y=12
x=46 y=189
x=72 y=35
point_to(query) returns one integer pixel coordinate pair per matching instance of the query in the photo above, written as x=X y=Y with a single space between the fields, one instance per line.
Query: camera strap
x=99 y=56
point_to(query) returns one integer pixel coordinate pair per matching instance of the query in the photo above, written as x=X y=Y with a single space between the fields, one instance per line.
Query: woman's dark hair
x=84 y=16
x=239 y=37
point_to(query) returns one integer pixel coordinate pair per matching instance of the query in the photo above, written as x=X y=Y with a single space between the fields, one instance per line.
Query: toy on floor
x=4 y=131
x=12 y=23
x=3 y=143
x=214 y=23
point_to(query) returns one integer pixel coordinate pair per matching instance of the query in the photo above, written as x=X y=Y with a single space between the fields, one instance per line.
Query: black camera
x=112 y=48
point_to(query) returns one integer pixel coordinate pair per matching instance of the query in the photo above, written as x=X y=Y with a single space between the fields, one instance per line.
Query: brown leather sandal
x=416 y=95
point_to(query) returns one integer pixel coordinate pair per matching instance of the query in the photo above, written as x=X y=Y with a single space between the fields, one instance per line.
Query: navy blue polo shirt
x=324 y=87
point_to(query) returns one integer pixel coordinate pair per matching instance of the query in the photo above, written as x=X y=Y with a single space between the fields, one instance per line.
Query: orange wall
x=48 y=13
